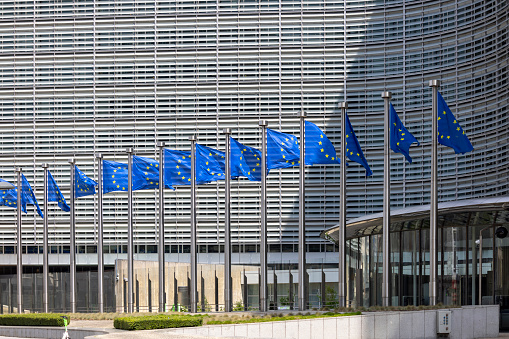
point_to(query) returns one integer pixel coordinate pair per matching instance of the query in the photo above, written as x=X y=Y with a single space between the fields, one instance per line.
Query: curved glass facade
x=458 y=270
x=82 y=77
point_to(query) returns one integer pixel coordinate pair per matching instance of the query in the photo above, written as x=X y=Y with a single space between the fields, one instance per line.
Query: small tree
x=331 y=298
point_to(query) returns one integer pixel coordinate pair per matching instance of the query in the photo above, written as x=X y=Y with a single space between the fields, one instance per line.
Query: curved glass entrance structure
x=460 y=227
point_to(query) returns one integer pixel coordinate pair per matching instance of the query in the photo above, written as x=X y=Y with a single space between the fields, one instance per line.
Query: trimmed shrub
x=34 y=319
x=157 y=321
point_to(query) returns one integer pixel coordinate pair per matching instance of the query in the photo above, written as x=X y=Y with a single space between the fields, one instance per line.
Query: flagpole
x=302 y=218
x=227 y=227
x=100 y=238
x=433 y=229
x=45 y=243
x=162 y=299
x=386 y=237
x=130 y=241
x=19 y=248
x=194 y=286
x=263 y=235
x=342 y=210
x=72 y=238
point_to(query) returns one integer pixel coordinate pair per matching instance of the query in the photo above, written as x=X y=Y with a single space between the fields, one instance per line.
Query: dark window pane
x=213 y=249
x=186 y=248
x=275 y=248
x=250 y=248
x=330 y=248
x=92 y=249
x=287 y=247
x=314 y=248
x=202 y=248
x=151 y=248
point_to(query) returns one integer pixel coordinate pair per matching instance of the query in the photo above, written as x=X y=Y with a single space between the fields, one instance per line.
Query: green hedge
x=157 y=321
x=33 y=319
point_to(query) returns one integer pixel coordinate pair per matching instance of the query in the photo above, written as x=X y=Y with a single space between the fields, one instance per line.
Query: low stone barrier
x=47 y=332
x=466 y=322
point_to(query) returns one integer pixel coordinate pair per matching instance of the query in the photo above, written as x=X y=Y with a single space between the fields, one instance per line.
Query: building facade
x=84 y=77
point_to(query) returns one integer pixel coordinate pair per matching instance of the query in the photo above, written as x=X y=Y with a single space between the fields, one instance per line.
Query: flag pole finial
x=18 y=169
x=160 y=144
x=72 y=161
x=44 y=165
x=262 y=123
x=192 y=138
x=434 y=83
x=98 y=156
x=227 y=131
x=343 y=104
x=129 y=150
x=386 y=95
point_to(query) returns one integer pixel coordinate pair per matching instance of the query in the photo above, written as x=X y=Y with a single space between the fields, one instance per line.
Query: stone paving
x=149 y=334
x=91 y=324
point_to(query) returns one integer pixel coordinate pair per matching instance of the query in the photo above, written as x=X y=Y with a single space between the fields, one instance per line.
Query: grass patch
x=276 y=317
x=34 y=319
x=157 y=321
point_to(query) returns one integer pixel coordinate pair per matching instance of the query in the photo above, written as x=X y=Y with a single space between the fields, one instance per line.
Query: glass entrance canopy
x=460 y=224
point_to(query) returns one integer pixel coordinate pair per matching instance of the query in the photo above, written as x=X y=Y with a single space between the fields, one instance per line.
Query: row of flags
x=282 y=152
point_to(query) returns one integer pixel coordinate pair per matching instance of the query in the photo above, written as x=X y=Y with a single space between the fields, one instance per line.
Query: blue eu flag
x=54 y=194
x=210 y=164
x=83 y=185
x=145 y=173
x=245 y=161
x=450 y=133
x=401 y=139
x=353 y=148
x=115 y=176
x=282 y=150
x=9 y=198
x=177 y=168
x=28 y=197
x=319 y=149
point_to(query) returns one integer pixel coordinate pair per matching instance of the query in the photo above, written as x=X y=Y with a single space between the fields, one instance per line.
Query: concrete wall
x=149 y=270
x=467 y=322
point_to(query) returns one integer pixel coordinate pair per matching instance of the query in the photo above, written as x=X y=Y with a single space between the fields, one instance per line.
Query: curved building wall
x=81 y=77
